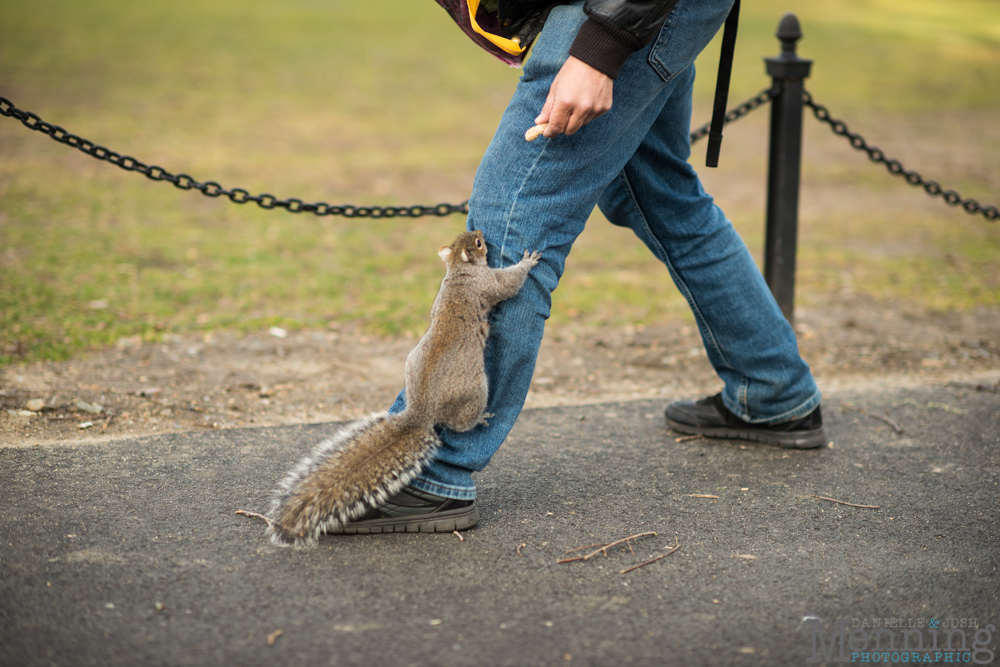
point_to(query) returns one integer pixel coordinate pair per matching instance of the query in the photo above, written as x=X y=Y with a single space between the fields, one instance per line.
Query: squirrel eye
x=479 y=243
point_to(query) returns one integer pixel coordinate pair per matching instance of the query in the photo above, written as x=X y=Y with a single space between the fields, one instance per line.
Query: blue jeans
x=632 y=162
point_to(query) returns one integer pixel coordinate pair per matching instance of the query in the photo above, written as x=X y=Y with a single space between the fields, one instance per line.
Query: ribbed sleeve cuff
x=603 y=46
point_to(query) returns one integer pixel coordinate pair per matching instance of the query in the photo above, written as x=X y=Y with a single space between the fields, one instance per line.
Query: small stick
x=896 y=427
x=589 y=546
x=270 y=524
x=651 y=560
x=636 y=567
x=569 y=560
x=605 y=548
x=629 y=545
x=458 y=535
x=535 y=132
x=834 y=500
x=519 y=546
x=686 y=438
x=273 y=637
x=702 y=495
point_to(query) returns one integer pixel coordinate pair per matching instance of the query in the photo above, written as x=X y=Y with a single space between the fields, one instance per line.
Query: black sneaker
x=414 y=511
x=710 y=418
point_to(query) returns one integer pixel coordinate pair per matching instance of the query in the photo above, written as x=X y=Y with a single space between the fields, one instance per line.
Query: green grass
x=388 y=103
x=888 y=55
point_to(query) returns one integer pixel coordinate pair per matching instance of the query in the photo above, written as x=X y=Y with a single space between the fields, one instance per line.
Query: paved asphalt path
x=130 y=553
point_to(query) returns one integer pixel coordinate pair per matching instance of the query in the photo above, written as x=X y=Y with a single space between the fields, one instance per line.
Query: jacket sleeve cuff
x=603 y=46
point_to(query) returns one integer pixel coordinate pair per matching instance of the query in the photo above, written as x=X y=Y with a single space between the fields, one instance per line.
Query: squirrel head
x=469 y=247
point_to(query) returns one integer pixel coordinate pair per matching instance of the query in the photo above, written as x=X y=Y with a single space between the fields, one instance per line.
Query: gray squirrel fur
x=371 y=459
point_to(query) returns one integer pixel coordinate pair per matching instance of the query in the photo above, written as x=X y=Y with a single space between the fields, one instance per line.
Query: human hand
x=578 y=95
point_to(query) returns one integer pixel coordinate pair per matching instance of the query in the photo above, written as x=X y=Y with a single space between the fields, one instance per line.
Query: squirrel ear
x=444 y=252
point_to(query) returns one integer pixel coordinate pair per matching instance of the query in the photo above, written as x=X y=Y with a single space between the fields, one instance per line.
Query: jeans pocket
x=686 y=32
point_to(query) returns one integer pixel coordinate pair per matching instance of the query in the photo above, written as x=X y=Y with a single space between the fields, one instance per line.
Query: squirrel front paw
x=532 y=257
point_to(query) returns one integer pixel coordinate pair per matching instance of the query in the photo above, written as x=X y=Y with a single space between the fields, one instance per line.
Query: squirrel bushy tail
x=346 y=475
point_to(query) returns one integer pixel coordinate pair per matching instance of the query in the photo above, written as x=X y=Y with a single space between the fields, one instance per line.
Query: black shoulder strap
x=722 y=86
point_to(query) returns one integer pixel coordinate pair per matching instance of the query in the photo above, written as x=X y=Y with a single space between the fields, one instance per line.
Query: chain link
x=894 y=167
x=763 y=97
x=213 y=189
x=293 y=205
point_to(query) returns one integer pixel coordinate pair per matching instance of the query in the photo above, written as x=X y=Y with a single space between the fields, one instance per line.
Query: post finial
x=789 y=33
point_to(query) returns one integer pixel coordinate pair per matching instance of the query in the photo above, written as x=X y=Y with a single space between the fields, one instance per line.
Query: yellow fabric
x=507 y=45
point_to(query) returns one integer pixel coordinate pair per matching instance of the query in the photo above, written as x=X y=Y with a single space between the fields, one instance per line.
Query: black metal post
x=784 y=166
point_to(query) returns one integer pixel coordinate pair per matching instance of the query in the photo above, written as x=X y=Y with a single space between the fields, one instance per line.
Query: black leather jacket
x=640 y=18
x=614 y=30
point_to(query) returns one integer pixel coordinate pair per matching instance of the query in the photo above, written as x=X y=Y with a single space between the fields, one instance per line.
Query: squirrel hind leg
x=463 y=425
x=465 y=415
x=464 y=411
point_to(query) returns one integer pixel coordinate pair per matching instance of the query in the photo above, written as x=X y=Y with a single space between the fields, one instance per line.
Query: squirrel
x=445 y=386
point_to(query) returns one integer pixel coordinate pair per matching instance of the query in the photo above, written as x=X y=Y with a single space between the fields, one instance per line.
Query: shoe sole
x=790 y=440
x=445 y=522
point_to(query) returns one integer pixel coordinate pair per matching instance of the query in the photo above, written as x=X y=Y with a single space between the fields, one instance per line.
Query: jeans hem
x=798 y=412
x=444 y=490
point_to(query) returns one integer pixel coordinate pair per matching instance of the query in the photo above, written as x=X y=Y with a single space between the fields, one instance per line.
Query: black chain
x=763 y=97
x=213 y=189
x=895 y=167
x=292 y=205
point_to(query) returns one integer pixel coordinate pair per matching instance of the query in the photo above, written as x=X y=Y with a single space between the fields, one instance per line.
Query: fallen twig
x=570 y=560
x=896 y=427
x=458 y=535
x=834 y=500
x=273 y=637
x=685 y=438
x=604 y=549
x=702 y=495
x=589 y=546
x=519 y=547
x=651 y=560
x=255 y=515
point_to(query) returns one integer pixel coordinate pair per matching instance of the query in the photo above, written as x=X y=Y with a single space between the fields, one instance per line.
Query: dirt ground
x=219 y=381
